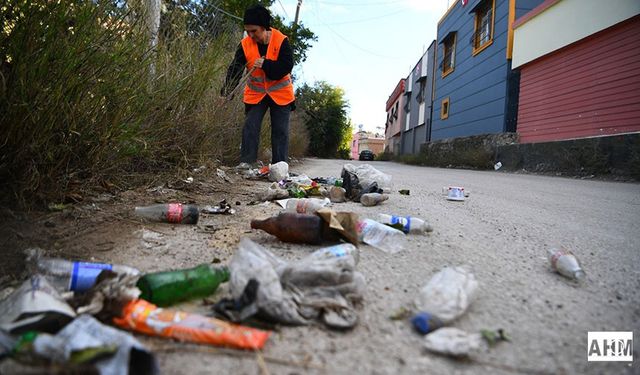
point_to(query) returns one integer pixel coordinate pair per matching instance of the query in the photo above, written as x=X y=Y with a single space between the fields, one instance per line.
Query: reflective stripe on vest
x=258 y=85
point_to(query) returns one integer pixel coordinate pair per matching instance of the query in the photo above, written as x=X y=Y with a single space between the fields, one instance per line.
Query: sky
x=364 y=47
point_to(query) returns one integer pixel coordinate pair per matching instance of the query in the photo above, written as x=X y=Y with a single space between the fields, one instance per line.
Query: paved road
x=501 y=231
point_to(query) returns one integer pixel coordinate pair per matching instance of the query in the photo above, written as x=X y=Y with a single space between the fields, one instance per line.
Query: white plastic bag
x=278 y=171
x=453 y=342
x=448 y=294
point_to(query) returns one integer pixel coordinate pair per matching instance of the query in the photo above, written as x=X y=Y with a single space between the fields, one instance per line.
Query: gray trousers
x=254 y=113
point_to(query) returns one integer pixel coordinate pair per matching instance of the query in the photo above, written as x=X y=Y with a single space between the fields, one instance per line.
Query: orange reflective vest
x=258 y=85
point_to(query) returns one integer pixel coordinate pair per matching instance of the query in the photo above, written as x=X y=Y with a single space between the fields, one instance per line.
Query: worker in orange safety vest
x=267 y=55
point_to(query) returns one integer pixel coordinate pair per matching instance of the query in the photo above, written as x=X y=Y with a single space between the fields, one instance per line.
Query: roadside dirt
x=501 y=231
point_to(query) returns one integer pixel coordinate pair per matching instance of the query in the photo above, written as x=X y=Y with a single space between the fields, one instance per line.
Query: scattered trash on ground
x=322 y=286
x=35 y=306
x=110 y=351
x=373 y=199
x=145 y=317
x=221 y=174
x=407 y=224
x=296 y=228
x=455 y=193
x=447 y=295
x=273 y=192
x=222 y=208
x=453 y=342
x=404 y=192
x=175 y=213
x=383 y=237
x=337 y=194
x=166 y=288
x=278 y=171
x=497 y=166
x=67 y=275
x=306 y=205
x=565 y=263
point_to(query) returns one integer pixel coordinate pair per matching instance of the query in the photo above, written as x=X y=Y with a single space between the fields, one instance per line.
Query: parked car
x=367 y=155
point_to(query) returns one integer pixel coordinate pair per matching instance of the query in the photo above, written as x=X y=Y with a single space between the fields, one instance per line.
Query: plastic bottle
x=305 y=205
x=372 y=199
x=565 y=263
x=293 y=227
x=336 y=251
x=67 y=275
x=169 y=287
x=176 y=213
x=406 y=224
x=445 y=298
x=383 y=237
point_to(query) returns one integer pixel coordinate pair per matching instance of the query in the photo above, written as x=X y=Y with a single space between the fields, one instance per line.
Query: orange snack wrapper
x=145 y=317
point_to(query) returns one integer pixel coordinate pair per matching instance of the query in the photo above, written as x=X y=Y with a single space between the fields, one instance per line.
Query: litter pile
x=66 y=312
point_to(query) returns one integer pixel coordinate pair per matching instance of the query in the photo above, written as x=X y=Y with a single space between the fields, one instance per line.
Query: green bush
x=84 y=99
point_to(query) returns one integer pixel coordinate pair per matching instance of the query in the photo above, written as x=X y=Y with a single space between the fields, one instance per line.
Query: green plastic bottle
x=170 y=287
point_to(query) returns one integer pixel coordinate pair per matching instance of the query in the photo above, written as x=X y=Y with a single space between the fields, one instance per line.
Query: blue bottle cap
x=424 y=322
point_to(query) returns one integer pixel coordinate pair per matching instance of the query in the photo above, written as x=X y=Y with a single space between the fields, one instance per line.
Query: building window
x=449 y=53
x=421 y=91
x=483 y=30
x=444 y=109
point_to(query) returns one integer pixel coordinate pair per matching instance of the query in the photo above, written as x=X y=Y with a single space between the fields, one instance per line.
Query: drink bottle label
x=337 y=251
x=403 y=222
x=174 y=213
x=84 y=275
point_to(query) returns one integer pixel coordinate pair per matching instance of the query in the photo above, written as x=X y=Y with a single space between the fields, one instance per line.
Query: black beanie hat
x=257 y=15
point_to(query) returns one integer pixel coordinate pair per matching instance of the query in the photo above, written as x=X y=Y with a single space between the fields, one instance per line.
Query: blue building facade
x=476 y=92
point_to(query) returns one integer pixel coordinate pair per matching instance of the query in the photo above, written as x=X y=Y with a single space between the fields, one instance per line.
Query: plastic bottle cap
x=424 y=322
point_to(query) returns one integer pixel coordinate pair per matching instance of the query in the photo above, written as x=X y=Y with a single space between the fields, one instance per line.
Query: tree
x=325 y=116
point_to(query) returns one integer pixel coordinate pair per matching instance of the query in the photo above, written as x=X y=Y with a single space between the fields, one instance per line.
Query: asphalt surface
x=501 y=232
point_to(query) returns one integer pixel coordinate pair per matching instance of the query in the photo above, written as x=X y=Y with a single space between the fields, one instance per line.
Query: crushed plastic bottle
x=336 y=251
x=565 y=263
x=65 y=275
x=447 y=295
x=383 y=237
x=407 y=224
x=373 y=199
x=305 y=205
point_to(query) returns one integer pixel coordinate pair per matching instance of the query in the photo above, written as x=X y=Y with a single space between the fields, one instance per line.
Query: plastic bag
x=278 y=171
x=448 y=294
x=322 y=286
x=453 y=342
x=367 y=175
x=273 y=192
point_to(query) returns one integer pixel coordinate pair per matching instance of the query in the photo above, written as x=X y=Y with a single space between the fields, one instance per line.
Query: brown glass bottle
x=294 y=227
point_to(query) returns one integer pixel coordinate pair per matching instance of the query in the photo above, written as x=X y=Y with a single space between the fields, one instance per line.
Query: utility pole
x=295 y=21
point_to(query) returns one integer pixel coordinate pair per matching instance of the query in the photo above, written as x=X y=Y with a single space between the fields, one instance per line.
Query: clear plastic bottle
x=381 y=236
x=372 y=199
x=305 y=205
x=336 y=251
x=67 y=275
x=176 y=213
x=565 y=263
x=406 y=224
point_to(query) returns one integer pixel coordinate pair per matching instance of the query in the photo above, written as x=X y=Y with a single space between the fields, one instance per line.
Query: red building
x=579 y=63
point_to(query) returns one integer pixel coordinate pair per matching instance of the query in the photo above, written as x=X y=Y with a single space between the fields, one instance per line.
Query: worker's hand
x=258 y=62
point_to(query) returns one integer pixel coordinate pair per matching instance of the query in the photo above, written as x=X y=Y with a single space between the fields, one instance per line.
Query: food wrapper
x=144 y=317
